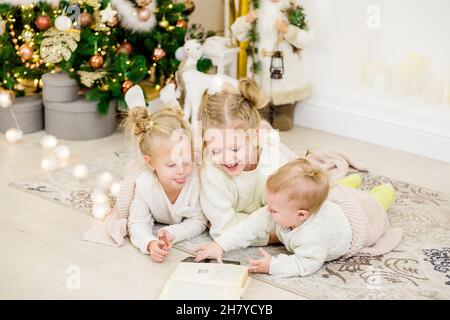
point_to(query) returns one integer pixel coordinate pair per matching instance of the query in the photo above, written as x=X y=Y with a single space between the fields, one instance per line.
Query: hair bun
x=139 y=118
x=250 y=91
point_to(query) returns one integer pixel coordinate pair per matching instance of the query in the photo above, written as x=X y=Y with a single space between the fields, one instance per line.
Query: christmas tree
x=107 y=45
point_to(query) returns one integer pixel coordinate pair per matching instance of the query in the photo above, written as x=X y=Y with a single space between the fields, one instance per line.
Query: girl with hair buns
x=167 y=190
x=238 y=155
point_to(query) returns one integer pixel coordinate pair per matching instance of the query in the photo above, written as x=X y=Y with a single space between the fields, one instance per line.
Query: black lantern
x=277 y=65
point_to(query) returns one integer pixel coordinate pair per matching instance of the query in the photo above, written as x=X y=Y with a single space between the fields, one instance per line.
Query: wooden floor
x=40 y=241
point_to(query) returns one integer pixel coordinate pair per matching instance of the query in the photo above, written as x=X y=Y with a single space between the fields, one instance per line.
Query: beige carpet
x=418 y=269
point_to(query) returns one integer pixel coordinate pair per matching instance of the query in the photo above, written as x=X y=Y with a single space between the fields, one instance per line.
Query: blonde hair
x=233 y=108
x=147 y=126
x=303 y=182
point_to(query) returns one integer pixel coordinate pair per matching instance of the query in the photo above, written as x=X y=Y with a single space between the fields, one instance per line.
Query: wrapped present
x=29 y=114
x=79 y=120
x=59 y=87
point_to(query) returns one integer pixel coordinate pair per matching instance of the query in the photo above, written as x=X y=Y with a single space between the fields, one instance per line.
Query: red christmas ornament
x=158 y=53
x=126 y=48
x=126 y=85
x=96 y=61
x=43 y=22
x=86 y=19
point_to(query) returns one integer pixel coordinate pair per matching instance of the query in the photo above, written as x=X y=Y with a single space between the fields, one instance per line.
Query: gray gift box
x=59 y=87
x=29 y=114
x=79 y=120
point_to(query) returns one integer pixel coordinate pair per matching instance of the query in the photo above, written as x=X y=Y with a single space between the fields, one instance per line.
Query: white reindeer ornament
x=194 y=82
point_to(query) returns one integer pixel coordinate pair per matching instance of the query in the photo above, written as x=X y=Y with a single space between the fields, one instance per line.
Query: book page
x=211 y=273
x=185 y=290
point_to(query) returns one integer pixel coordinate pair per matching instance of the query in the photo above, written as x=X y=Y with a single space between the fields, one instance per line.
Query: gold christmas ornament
x=164 y=23
x=43 y=22
x=27 y=35
x=26 y=52
x=126 y=85
x=104 y=87
x=96 y=61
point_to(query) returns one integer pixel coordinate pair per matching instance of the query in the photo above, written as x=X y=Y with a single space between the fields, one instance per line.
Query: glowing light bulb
x=6 y=99
x=115 y=188
x=49 y=164
x=104 y=180
x=49 y=142
x=62 y=152
x=99 y=197
x=80 y=172
x=13 y=135
x=100 y=211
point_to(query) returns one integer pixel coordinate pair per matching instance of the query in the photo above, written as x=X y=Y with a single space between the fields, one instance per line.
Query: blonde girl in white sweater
x=238 y=154
x=314 y=223
x=168 y=190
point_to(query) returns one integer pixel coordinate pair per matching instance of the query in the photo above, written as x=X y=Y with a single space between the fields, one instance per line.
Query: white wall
x=406 y=93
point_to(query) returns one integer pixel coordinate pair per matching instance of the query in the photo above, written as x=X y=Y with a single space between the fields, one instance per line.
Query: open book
x=206 y=281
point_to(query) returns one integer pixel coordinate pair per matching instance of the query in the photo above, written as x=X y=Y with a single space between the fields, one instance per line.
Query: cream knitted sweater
x=325 y=236
x=227 y=200
x=350 y=222
x=150 y=203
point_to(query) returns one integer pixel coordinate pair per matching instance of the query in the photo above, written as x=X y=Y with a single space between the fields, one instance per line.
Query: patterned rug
x=419 y=268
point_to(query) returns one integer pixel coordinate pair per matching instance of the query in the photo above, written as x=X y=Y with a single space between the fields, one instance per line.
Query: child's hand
x=261 y=265
x=167 y=237
x=281 y=26
x=252 y=16
x=211 y=250
x=157 y=252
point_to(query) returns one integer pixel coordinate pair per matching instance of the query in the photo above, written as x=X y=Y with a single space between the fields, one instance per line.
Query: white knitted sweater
x=325 y=236
x=227 y=200
x=150 y=203
x=350 y=222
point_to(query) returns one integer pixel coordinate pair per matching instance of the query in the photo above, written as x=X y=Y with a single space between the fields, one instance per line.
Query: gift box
x=29 y=113
x=79 y=120
x=59 y=87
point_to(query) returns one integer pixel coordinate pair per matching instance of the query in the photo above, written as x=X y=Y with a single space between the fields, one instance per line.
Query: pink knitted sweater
x=371 y=235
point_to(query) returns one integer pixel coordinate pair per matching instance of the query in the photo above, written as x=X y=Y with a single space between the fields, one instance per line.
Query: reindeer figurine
x=193 y=82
